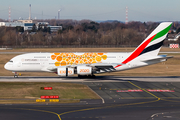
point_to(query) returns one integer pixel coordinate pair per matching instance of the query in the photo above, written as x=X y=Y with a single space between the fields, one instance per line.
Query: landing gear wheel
x=80 y=76
x=15 y=75
x=93 y=76
x=86 y=76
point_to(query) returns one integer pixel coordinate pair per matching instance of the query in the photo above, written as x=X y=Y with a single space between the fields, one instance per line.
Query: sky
x=97 y=10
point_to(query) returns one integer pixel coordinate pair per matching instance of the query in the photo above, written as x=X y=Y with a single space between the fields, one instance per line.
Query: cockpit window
x=11 y=61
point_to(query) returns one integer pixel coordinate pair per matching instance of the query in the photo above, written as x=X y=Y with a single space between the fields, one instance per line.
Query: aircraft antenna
x=9 y=14
x=126 y=22
x=29 y=11
x=59 y=13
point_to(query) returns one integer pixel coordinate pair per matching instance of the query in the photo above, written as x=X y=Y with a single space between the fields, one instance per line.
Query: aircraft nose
x=7 y=66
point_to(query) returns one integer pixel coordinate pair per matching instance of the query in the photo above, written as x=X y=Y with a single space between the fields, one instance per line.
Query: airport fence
x=72 y=46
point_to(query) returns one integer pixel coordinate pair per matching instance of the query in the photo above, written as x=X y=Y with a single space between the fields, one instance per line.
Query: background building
x=28 y=25
x=26 y=21
x=11 y=24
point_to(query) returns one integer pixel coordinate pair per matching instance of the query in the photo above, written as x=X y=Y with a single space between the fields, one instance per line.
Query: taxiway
x=127 y=98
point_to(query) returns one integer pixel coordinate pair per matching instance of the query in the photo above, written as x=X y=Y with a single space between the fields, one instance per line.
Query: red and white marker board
x=174 y=46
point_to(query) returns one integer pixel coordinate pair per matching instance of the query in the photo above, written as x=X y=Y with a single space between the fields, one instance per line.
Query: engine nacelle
x=84 y=70
x=65 y=71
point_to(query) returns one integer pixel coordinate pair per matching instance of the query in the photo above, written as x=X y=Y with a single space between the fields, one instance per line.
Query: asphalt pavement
x=122 y=98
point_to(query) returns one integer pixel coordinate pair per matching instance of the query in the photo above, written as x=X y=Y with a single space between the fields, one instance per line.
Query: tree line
x=78 y=33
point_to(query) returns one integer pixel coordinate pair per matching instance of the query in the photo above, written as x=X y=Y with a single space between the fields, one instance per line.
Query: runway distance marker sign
x=40 y=100
x=54 y=100
x=49 y=97
x=46 y=88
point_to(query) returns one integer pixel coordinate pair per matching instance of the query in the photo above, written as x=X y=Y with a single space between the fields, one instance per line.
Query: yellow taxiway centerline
x=144 y=90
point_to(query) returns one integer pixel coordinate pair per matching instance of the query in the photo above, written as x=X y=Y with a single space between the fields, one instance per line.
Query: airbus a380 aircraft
x=67 y=64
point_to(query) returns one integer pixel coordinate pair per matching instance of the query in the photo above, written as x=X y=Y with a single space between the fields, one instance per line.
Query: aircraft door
x=118 y=57
x=19 y=64
x=42 y=64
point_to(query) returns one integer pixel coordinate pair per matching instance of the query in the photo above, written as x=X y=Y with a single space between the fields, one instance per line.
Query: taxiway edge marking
x=170 y=100
x=97 y=94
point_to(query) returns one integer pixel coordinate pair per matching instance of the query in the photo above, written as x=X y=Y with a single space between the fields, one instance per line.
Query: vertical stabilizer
x=152 y=44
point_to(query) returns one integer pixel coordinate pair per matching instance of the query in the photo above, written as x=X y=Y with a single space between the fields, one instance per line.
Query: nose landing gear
x=15 y=75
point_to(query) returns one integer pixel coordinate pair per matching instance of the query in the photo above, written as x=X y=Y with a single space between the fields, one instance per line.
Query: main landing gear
x=87 y=76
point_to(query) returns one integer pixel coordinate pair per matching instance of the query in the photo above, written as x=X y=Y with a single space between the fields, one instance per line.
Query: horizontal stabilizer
x=160 y=58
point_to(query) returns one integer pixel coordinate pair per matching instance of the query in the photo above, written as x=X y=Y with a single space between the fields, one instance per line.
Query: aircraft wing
x=103 y=67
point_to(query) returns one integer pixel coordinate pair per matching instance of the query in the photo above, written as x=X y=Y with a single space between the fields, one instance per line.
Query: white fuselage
x=39 y=62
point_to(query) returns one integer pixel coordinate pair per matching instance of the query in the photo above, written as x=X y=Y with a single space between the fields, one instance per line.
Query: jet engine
x=84 y=70
x=65 y=71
